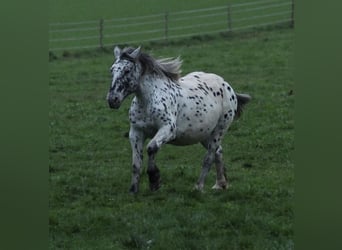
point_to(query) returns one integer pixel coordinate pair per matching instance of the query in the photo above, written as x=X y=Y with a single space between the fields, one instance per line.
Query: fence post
x=101 y=33
x=292 y=14
x=166 y=26
x=229 y=19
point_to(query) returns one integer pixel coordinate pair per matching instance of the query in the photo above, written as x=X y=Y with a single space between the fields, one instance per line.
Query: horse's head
x=126 y=72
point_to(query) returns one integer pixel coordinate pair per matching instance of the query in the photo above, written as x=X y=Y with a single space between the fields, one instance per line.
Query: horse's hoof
x=220 y=186
x=199 y=188
x=155 y=186
x=133 y=189
x=217 y=187
x=154 y=179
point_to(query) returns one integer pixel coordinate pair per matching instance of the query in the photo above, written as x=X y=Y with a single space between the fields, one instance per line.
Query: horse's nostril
x=114 y=102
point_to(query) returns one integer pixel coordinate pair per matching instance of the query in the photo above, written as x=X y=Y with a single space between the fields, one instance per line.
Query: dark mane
x=168 y=67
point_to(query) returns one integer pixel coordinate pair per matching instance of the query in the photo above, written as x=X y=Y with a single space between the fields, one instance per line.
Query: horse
x=167 y=108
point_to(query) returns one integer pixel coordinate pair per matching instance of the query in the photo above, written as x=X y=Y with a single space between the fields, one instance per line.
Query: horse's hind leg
x=214 y=154
x=207 y=162
x=213 y=145
x=221 y=179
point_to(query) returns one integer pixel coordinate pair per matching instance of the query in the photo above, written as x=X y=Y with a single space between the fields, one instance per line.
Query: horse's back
x=214 y=88
x=200 y=77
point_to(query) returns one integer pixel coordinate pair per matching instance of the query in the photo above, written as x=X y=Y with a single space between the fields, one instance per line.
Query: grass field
x=90 y=161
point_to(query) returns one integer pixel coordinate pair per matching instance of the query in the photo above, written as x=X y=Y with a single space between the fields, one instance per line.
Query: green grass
x=90 y=157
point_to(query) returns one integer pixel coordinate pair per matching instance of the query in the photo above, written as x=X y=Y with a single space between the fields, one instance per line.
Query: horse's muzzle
x=114 y=102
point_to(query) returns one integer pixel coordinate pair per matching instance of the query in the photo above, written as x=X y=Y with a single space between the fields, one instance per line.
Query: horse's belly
x=196 y=121
x=187 y=140
x=192 y=132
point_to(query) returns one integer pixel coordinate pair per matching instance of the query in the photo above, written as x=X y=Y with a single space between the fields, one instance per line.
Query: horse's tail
x=242 y=100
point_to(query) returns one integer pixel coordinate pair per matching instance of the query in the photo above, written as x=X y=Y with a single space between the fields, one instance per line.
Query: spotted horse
x=196 y=108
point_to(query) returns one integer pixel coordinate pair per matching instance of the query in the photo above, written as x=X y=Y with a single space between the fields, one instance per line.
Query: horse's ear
x=135 y=53
x=117 y=52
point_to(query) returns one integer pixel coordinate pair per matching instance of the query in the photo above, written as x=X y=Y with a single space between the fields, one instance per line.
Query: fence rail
x=169 y=25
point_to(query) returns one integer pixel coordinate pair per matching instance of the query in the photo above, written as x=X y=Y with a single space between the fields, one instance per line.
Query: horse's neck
x=149 y=87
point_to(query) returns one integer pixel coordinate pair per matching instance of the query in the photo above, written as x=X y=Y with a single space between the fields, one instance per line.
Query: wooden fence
x=170 y=25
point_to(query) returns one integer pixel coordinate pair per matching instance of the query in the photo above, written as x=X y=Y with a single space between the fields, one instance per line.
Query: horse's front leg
x=164 y=135
x=137 y=139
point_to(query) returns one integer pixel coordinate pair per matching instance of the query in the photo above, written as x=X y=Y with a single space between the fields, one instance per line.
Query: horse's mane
x=169 y=67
